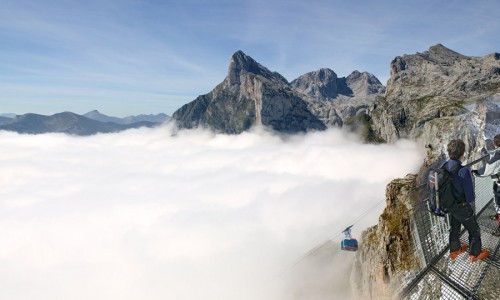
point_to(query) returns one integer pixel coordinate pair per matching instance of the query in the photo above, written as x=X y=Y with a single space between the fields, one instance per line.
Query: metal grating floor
x=489 y=289
x=461 y=279
x=432 y=287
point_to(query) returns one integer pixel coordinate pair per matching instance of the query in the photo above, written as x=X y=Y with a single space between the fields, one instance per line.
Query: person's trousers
x=464 y=215
x=496 y=193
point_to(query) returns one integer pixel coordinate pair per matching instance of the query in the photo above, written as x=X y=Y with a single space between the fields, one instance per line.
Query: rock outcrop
x=321 y=85
x=386 y=251
x=335 y=100
x=251 y=94
x=435 y=93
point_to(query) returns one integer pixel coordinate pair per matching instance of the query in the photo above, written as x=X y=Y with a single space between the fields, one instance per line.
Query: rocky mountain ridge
x=433 y=85
x=335 y=101
x=251 y=95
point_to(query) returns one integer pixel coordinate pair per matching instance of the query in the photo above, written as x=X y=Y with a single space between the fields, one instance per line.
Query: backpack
x=443 y=196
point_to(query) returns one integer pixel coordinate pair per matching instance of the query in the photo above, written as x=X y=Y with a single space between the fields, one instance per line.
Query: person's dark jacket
x=462 y=181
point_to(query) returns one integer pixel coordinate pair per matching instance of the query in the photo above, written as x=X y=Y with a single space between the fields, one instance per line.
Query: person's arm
x=467 y=184
x=492 y=166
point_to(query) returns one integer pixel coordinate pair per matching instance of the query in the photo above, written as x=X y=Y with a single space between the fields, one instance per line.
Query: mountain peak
x=94 y=112
x=442 y=55
x=240 y=55
x=438 y=55
x=325 y=85
x=322 y=83
x=324 y=74
x=440 y=49
x=364 y=83
x=364 y=76
x=240 y=62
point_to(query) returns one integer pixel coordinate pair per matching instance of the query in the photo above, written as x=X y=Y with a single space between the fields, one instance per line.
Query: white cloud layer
x=148 y=214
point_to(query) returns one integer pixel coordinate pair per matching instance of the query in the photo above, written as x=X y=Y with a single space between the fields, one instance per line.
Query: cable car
x=348 y=243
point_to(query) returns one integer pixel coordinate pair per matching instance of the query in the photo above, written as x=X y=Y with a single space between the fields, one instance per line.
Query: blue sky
x=126 y=57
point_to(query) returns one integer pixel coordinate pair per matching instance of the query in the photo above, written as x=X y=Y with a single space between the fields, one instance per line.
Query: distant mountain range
x=96 y=115
x=422 y=89
x=11 y=116
x=5 y=120
x=71 y=123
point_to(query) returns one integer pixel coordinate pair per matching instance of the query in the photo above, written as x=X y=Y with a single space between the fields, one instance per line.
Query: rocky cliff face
x=335 y=100
x=251 y=94
x=435 y=92
x=386 y=251
x=322 y=85
x=431 y=97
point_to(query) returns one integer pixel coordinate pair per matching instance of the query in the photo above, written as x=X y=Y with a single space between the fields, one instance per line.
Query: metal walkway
x=442 y=278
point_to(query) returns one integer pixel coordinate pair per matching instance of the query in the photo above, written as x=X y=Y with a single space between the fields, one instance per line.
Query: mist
x=166 y=214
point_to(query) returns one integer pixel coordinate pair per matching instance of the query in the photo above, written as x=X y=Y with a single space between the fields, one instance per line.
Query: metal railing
x=439 y=277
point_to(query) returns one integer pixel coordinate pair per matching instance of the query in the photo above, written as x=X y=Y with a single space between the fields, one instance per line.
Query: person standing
x=492 y=168
x=463 y=213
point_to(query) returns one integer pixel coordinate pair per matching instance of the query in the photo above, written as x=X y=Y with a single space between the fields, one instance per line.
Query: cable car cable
x=319 y=246
x=355 y=221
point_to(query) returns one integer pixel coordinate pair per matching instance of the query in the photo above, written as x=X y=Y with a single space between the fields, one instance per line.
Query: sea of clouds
x=166 y=214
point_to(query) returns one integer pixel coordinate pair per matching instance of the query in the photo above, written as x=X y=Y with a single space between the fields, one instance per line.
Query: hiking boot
x=496 y=232
x=455 y=254
x=483 y=255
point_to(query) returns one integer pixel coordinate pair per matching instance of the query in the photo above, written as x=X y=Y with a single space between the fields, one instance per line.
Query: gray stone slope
x=335 y=100
x=437 y=92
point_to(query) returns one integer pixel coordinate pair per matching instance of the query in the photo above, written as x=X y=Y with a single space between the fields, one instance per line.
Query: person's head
x=496 y=140
x=456 y=149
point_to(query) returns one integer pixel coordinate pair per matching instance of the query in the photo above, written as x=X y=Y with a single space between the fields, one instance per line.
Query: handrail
x=437 y=273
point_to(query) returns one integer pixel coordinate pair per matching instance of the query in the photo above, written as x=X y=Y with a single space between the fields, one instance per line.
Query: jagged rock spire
x=240 y=62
